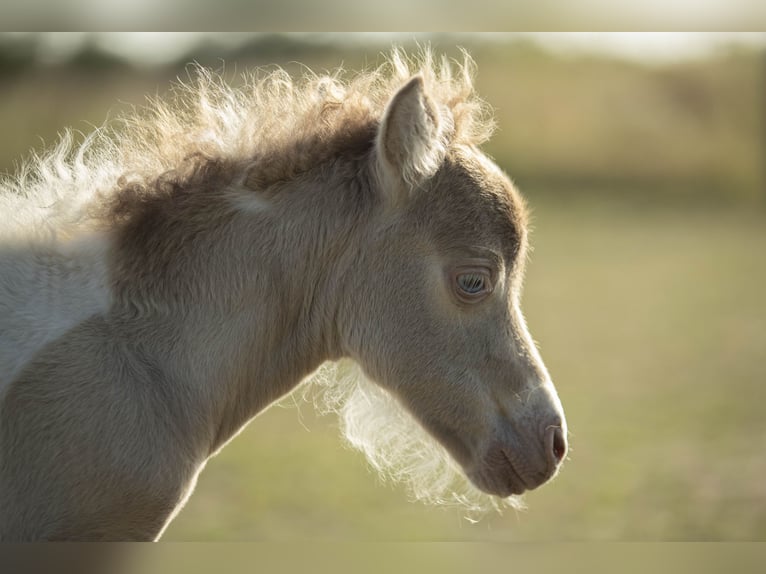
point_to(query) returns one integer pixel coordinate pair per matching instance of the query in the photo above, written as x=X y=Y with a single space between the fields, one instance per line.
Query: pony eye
x=470 y=283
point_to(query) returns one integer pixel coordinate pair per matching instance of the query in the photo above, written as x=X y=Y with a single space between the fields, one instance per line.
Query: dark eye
x=472 y=283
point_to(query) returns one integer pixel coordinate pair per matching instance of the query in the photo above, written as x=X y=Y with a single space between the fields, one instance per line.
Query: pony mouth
x=515 y=477
x=501 y=478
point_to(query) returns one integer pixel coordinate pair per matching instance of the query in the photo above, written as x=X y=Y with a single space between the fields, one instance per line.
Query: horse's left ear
x=410 y=141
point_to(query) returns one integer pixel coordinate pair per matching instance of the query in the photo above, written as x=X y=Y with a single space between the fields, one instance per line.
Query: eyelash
x=472 y=285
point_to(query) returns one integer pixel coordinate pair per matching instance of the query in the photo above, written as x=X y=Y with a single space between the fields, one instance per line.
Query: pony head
x=432 y=313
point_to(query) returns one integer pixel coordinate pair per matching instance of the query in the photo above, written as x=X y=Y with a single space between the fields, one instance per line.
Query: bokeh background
x=642 y=157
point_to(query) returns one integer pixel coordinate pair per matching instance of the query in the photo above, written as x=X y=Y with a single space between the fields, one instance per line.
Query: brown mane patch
x=273 y=128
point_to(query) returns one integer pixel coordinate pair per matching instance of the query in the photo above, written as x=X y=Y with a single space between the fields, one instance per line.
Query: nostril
x=557 y=444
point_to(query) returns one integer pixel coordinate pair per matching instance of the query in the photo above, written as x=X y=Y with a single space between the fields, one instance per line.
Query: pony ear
x=410 y=141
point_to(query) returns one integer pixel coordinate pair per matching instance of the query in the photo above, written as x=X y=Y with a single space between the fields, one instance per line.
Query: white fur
x=46 y=290
x=52 y=261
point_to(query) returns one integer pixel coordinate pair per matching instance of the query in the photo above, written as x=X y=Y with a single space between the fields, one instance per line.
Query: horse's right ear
x=410 y=143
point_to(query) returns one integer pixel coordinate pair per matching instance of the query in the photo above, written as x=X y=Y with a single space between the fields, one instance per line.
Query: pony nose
x=555 y=445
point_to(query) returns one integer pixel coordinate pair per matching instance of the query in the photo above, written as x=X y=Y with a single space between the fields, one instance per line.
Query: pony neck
x=243 y=307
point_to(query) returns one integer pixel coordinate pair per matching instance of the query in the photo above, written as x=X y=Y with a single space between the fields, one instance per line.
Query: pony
x=177 y=272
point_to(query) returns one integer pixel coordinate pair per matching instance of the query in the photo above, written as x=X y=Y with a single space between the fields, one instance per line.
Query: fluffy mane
x=269 y=129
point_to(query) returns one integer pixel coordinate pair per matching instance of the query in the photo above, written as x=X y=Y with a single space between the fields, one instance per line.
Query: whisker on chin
x=395 y=444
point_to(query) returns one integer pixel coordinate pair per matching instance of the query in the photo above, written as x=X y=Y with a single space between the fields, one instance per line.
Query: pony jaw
x=394 y=443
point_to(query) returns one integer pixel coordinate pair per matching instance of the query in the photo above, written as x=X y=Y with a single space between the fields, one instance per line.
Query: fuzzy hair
x=394 y=443
x=270 y=129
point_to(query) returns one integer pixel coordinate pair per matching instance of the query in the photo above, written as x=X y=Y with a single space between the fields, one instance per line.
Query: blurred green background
x=645 y=290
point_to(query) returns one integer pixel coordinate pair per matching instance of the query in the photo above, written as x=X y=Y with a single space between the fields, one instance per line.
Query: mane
x=269 y=129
